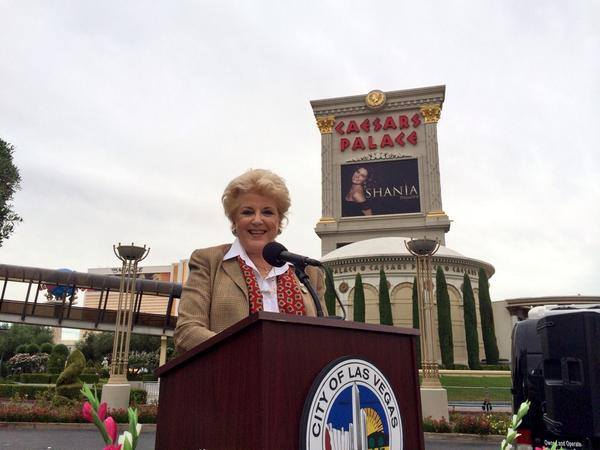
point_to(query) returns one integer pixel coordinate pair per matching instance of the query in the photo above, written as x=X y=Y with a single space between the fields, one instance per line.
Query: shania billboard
x=382 y=187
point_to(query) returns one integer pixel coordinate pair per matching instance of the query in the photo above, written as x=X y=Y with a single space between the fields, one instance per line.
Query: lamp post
x=116 y=392
x=423 y=250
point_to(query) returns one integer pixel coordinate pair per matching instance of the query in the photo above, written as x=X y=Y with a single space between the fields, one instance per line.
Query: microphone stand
x=301 y=274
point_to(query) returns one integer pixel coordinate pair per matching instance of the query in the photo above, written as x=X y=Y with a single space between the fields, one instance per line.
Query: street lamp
x=117 y=394
x=423 y=250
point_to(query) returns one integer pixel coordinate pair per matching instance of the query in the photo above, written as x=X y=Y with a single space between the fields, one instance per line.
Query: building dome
x=379 y=247
x=368 y=257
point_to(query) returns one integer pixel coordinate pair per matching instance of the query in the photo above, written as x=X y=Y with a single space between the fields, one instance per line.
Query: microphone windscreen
x=271 y=253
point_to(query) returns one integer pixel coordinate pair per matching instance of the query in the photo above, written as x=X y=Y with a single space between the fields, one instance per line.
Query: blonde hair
x=256 y=181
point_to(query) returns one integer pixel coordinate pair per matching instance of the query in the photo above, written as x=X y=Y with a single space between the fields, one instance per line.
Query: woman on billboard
x=355 y=202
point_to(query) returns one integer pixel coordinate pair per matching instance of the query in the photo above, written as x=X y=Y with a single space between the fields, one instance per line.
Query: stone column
x=433 y=200
x=325 y=124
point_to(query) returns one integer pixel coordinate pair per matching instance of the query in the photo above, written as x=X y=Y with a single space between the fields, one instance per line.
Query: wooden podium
x=246 y=387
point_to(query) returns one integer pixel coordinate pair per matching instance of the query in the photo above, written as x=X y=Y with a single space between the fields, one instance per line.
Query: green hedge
x=50 y=378
x=35 y=378
x=89 y=378
x=66 y=414
x=29 y=390
x=495 y=367
x=8 y=390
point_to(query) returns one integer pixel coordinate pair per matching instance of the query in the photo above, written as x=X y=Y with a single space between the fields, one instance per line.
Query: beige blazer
x=215 y=296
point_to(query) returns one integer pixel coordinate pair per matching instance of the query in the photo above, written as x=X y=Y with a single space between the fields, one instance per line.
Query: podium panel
x=246 y=387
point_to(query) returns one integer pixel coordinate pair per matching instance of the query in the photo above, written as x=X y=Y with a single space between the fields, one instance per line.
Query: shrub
x=68 y=383
x=359 y=299
x=21 y=349
x=32 y=349
x=43 y=378
x=487 y=319
x=46 y=347
x=61 y=349
x=25 y=363
x=444 y=319
x=436 y=426
x=56 y=362
x=470 y=321
x=385 y=307
x=138 y=397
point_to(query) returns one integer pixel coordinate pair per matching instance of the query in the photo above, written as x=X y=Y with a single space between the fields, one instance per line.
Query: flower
x=102 y=411
x=87 y=412
x=126 y=439
x=112 y=447
x=111 y=428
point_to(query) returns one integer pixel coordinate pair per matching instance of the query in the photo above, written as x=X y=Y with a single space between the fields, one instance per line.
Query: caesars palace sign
x=398 y=132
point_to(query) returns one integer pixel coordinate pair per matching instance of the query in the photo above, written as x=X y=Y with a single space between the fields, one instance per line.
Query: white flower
x=126 y=436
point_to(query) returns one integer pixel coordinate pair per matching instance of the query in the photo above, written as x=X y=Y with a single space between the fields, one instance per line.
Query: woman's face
x=256 y=222
x=360 y=176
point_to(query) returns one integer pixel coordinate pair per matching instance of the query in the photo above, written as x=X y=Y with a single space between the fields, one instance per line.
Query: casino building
x=381 y=187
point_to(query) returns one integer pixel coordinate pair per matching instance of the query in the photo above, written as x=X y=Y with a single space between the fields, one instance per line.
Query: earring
x=279 y=230
x=233 y=232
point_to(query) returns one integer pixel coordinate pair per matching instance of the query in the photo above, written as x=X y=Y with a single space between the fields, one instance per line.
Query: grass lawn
x=475 y=388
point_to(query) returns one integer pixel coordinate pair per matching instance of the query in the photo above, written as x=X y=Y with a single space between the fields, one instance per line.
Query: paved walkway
x=83 y=439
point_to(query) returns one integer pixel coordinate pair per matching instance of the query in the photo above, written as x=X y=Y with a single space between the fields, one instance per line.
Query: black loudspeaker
x=571 y=372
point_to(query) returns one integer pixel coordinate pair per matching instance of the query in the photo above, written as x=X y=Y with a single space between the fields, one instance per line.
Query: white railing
x=152 y=388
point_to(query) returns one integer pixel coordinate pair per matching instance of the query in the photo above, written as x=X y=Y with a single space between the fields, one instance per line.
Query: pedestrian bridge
x=22 y=300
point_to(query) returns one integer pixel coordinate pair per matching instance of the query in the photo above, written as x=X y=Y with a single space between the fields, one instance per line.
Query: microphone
x=277 y=255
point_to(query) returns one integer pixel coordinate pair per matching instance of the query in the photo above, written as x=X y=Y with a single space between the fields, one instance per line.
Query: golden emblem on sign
x=375 y=99
x=325 y=124
x=431 y=112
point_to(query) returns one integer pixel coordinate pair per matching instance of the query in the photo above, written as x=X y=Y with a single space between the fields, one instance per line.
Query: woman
x=355 y=202
x=228 y=282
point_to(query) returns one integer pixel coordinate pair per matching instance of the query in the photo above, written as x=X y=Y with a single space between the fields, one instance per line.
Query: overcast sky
x=129 y=118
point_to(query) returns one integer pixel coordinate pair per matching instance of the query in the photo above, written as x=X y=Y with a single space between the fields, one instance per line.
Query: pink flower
x=112 y=447
x=102 y=411
x=87 y=412
x=111 y=428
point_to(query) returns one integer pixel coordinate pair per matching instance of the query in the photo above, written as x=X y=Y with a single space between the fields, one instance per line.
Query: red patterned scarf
x=289 y=295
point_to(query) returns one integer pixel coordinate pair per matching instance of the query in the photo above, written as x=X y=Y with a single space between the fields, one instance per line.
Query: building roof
x=393 y=246
x=384 y=246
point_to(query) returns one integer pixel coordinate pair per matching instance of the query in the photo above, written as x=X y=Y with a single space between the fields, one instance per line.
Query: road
x=30 y=439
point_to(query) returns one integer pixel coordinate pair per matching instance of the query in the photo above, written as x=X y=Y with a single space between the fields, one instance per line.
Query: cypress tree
x=444 y=319
x=415 y=317
x=470 y=317
x=385 y=306
x=359 y=299
x=329 y=291
x=487 y=320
